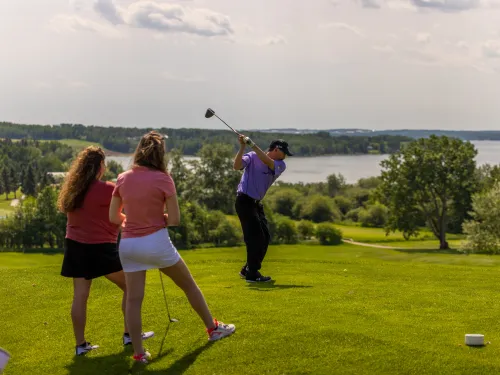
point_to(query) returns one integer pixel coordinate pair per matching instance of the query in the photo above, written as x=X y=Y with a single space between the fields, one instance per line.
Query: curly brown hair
x=84 y=170
x=150 y=152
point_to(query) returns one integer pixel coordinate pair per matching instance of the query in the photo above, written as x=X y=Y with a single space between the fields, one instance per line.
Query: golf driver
x=170 y=319
x=210 y=112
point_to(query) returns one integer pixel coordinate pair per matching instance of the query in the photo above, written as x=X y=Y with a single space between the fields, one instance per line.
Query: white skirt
x=155 y=250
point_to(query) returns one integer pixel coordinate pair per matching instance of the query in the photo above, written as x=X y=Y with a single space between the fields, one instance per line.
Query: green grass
x=332 y=310
x=77 y=144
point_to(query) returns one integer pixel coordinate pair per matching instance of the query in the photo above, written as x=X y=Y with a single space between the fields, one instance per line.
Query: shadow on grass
x=122 y=364
x=178 y=367
x=429 y=251
x=272 y=285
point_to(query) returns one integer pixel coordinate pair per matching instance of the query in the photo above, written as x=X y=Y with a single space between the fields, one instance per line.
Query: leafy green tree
x=487 y=175
x=336 y=182
x=426 y=179
x=483 y=230
x=180 y=172
x=113 y=169
x=216 y=177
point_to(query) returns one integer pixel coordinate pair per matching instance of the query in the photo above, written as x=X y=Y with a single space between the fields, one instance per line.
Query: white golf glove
x=249 y=142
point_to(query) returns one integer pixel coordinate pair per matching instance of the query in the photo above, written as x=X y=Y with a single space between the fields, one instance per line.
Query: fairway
x=332 y=310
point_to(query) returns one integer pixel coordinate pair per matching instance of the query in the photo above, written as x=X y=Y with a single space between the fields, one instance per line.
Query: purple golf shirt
x=258 y=177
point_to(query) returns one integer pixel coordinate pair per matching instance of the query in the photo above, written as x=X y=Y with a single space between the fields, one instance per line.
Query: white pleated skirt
x=155 y=250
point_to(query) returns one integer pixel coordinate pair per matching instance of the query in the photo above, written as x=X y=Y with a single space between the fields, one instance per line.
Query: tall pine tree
x=29 y=184
x=7 y=185
x=14 y=178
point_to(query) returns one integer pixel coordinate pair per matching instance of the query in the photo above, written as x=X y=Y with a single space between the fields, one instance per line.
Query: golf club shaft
x=165 y=296
x=226 y=124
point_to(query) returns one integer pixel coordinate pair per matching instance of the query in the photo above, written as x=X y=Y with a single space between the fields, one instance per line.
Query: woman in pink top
x=143 y=193
x=91 y=240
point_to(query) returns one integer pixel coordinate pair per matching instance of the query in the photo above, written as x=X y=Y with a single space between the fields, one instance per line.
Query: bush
x=369 y=182
x=375 y=216
x=353 y=215
x=327 y=234
x=286 y=231
x=282 y=201
x=306 y=229
x=318 y=208
x=343 y=203
x=226 y=234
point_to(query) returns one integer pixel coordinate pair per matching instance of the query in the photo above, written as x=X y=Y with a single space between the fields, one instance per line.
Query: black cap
x=280 y=144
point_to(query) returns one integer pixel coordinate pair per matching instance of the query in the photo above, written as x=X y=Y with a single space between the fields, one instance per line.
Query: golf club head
x=210 y=112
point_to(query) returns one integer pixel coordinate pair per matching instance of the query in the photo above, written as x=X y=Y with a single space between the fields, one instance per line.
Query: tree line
x=191 y=141
x=431 y=184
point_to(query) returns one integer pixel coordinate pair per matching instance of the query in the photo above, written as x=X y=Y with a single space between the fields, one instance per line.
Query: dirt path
x=349 y=241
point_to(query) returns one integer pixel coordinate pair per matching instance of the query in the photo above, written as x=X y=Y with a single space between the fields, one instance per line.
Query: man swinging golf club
x=261 y=170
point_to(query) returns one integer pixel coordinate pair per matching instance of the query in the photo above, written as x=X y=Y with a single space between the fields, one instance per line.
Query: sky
x=320 y=64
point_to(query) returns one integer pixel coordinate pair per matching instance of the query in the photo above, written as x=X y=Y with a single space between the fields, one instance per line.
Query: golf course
x=344 y=309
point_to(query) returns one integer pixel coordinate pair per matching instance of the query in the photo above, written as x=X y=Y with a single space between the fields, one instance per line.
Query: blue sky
x=375 y=64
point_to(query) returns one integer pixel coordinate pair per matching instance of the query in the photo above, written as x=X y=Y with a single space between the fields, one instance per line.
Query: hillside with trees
x=191 y=141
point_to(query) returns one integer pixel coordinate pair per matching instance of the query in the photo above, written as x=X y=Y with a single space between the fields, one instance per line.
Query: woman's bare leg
x=81 y=292
x=118 y=278
x=135 y=294
x=180 y=275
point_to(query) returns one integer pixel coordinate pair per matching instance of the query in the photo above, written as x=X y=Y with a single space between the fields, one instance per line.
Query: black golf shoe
x=257 y=278
x=243 y=272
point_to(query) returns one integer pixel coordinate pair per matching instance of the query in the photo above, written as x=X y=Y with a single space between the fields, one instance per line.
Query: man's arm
x=261 y=154
x=238 y=160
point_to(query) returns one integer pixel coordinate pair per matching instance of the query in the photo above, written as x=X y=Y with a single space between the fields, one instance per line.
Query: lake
x=353 y=167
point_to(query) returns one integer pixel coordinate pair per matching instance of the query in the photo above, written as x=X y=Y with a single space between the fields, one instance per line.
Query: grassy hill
x=331 y=310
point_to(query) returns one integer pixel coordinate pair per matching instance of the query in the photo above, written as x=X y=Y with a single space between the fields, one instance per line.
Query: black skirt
x=90 y=261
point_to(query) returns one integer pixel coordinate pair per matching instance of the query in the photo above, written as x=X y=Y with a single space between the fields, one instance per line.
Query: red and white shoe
x=143 y=358
x=220 y=331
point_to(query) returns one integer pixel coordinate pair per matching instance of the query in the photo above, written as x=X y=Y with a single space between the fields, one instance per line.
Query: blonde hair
x=150 y=152
x=84 y=170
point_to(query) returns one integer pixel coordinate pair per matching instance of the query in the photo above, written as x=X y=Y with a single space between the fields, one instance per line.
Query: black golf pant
x=255 y=231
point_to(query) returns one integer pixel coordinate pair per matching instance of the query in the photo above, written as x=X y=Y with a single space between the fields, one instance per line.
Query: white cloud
x=343 y=26
x=173 y=77
x=109 y=11
x=148 y=14
x=439 y=5
x=491 y=49
x=274 y=40
x=383 y=48
x=176 y=18
x=447 y=5
x=74 y=23
x=423 y=38
x=373 y=4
